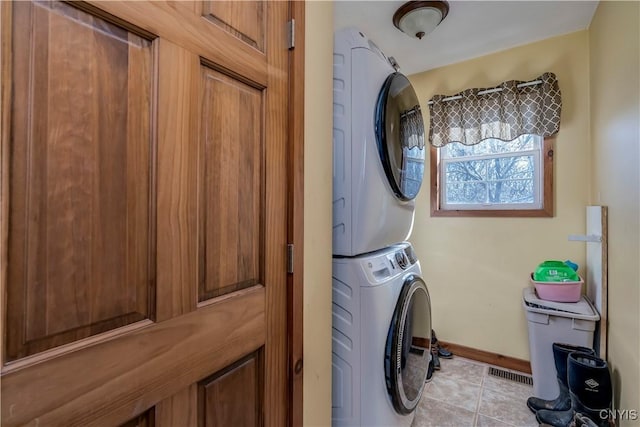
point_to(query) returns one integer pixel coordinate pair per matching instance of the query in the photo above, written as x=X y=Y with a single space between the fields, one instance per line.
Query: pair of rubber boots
x=585 y=390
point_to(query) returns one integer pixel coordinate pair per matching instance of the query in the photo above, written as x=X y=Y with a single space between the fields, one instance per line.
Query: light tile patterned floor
x=463 y=394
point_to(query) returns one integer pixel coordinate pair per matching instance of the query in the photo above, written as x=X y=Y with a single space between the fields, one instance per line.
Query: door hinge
x=291 y=30
x=290 y=258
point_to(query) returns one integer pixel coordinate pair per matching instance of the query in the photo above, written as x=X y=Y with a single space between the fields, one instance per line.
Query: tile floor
x=462 y=393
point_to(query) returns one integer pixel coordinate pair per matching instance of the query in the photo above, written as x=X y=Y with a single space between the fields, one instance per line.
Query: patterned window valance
x=505 y=112
x=412 y=128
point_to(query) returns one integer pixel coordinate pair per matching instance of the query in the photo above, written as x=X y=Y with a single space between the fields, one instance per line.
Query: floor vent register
x=511 y=376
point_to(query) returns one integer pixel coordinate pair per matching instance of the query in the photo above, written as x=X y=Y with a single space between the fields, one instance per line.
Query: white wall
x=614 y=46
x=317 y=213
x=476 y=268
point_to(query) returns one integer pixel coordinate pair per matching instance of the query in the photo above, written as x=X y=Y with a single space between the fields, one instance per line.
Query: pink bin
x=558 y=291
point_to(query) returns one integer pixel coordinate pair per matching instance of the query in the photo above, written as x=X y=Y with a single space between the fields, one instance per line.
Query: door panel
x=144 y=177
x=79 y=207
x=233 y=396
x=146 y=419
x=233 y=184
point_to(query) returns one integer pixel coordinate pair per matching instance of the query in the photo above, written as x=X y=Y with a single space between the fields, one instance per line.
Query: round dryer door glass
x=408 y=346
x=400 y=136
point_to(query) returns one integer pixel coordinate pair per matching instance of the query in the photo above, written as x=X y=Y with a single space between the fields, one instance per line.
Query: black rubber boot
x=441 y=353
x=562 y=402
x=590 y=387
x=581 y=420
x=444 y=353
x=429 y=372
x=435 y=359
x=590 y=391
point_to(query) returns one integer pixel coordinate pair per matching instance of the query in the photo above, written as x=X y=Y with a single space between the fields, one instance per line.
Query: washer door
x=405 y=362
x=400 y=136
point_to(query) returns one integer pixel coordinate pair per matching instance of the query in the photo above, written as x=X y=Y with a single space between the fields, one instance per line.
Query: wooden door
x=144 y=226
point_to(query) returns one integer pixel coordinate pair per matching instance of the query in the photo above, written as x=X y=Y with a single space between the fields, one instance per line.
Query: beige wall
x=476 y=268
x=317 y=213
x=614 y=45
x=476 y=296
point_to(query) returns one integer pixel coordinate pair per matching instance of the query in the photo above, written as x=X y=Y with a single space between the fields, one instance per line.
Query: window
x=493 y=178
x=413 y=169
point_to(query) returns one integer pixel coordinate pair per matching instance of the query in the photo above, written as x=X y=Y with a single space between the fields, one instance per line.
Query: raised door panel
x=244 y=20
x=232 y=187
x=146 y=419
x=233 y=397
x=80 y=212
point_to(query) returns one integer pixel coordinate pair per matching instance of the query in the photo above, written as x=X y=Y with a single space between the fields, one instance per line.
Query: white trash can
x=549 y=322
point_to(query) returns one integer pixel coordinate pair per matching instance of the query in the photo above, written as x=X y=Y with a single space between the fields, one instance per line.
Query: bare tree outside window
x=492 y=174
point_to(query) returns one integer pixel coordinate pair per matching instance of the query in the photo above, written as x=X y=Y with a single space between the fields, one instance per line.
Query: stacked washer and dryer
x=381 y=306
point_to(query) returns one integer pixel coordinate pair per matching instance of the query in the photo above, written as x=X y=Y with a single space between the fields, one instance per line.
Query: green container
x=555 y=271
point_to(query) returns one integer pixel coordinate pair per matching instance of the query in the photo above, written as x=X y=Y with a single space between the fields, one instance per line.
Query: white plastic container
x=549 y=322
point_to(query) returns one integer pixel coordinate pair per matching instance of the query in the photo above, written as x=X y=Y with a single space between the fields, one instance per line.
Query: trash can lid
x=583 y=309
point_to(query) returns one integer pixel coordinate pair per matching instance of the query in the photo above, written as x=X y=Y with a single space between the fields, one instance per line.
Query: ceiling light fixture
x=419 y=18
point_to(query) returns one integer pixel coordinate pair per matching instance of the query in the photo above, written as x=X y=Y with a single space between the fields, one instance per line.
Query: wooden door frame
x=295 y=207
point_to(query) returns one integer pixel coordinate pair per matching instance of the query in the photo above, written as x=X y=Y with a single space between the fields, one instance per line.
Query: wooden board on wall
x=597 y=272
x=495 y=359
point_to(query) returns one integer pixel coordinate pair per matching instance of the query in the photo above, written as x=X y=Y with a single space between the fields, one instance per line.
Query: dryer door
x=406 y=358
x=400 y=136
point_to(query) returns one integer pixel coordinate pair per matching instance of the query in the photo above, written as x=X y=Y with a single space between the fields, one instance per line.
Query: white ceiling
x=472 y=28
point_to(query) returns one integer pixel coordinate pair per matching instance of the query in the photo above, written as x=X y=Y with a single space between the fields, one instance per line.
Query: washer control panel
x=389 y=264
x=402 y=260
x=379 y=269
x=411 y=255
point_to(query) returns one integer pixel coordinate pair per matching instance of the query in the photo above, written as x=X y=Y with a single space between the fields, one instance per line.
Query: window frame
x=546 y=210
